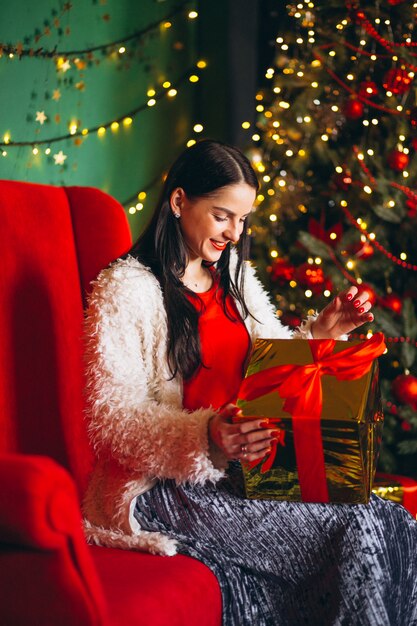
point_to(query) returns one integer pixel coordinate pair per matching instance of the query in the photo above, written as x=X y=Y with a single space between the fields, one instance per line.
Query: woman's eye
x=220 y=219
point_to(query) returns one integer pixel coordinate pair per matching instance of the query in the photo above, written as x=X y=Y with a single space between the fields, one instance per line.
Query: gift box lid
x=341 y=399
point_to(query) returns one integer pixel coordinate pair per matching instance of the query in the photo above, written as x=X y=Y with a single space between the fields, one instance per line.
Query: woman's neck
x=197 y=276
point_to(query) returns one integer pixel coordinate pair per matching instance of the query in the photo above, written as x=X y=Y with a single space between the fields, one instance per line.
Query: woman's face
x=209 y=224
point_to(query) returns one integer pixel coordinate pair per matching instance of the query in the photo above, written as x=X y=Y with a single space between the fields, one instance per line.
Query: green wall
x=121 y=163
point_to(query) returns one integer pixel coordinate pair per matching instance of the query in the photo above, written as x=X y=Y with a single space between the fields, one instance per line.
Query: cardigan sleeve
x=126 y=366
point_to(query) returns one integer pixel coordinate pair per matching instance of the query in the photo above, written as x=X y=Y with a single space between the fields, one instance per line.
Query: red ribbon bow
x=300 y=386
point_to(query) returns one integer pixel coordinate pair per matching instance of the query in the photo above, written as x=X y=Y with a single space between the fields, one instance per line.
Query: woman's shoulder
x=126 y=278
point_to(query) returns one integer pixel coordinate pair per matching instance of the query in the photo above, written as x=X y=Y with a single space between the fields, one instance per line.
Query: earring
x=177 y=215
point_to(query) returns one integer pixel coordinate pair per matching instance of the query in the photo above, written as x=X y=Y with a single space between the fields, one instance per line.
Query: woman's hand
x=346 y=312
x=247 y=440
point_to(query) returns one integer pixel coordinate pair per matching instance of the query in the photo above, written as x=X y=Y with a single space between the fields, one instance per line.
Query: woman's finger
x=364 y=308
x=250 y=424
x=349 y=293
x=254 y=455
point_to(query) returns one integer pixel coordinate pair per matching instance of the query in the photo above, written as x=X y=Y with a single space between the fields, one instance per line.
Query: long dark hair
x=200 y=171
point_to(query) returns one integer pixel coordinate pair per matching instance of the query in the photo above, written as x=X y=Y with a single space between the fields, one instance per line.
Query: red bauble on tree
x=392 y=302
x=353 y=109
x=281 y=271
x=395 y=2
x=404 y=389
x=397 y=160
x=368 y=89
x=397 y=81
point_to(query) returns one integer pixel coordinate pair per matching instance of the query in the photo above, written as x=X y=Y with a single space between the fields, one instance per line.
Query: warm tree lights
x=334 y=146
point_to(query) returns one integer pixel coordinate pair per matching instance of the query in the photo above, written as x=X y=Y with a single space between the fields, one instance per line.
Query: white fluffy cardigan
x=136 y=422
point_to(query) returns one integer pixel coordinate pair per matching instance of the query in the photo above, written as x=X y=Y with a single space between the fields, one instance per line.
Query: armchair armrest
x=46 y=571
x=38 y=502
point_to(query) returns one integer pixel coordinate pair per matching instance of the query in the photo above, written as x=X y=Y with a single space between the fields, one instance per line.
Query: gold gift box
x=350 y=425
x=399 y=489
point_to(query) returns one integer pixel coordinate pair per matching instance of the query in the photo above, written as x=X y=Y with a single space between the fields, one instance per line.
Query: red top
x=224 y=347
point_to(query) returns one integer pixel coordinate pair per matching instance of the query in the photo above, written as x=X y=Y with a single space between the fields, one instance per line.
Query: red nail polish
x=349 y=296
x=361 y=310
x=356 y=303
x=264 y=423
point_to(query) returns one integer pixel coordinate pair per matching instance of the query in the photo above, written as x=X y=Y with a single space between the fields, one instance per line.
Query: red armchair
x=54 y=241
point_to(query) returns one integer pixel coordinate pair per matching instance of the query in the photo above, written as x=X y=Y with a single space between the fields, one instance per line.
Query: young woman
x=169 y=329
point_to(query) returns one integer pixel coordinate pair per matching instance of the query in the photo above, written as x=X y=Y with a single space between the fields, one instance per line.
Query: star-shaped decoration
x=19 y=49
x=59 y=158
x=41 y=117
x=66 y=65
x=67 y=6
x=80 y=85
x=56 y=95
x=106 y=17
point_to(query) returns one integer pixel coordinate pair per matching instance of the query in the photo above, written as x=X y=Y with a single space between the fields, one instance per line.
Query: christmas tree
x=335 y=148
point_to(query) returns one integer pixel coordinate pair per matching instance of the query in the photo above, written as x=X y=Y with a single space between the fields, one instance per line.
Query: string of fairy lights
x=114 y=50
x=118 y=46
x=398 y=92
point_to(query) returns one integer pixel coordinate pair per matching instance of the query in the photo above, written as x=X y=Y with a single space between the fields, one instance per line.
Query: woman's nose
x=233 y=232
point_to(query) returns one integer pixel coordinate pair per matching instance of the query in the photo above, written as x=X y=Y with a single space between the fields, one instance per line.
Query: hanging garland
x=412 y=195
x=350 y=90
x=126 y=118
x=374 y=242
x=141 y=195
x=19 y=51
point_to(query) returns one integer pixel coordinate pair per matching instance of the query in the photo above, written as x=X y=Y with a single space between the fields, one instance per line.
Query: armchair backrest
x=54 y=241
